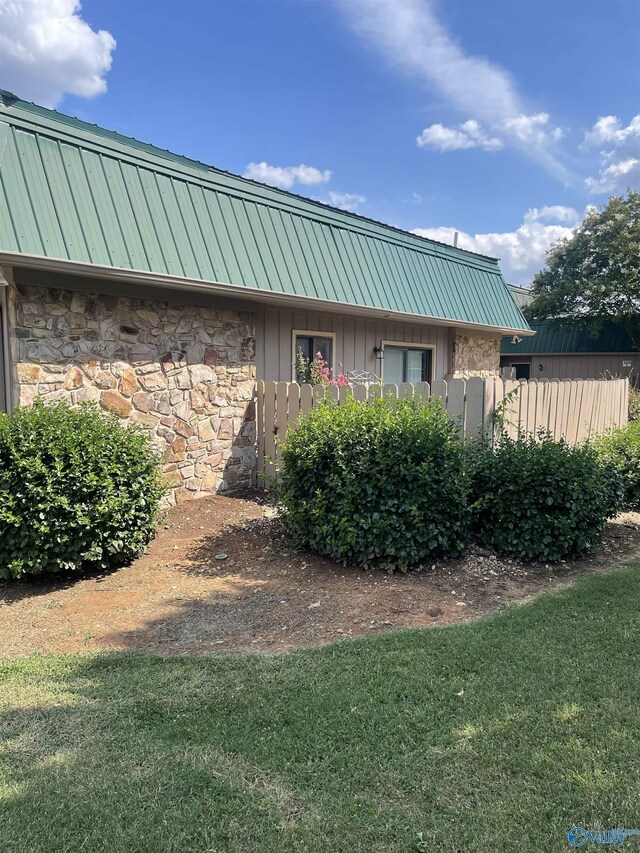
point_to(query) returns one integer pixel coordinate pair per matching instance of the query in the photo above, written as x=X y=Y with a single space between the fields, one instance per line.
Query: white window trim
x=410 y=345
x=309 y=333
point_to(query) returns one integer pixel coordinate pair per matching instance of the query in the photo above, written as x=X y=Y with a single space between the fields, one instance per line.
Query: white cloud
x=346 y=201
x=553 y=213
x=521 y=252
x=619 y=159
x=615 y=177
x=533 y=128
x=411 y=38
x=285 y=177
x=469 y=134
x=608 y=129
x=47 y=51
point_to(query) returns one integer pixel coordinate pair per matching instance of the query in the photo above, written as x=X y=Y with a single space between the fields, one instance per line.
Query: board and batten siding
x=355 y=338
x=577 y=366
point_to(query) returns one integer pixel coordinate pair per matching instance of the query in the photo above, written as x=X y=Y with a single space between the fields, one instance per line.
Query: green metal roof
x=73 y=191
x=569 y=338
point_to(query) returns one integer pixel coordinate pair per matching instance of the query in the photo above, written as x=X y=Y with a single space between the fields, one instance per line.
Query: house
x=568 y=351
x=161 y=288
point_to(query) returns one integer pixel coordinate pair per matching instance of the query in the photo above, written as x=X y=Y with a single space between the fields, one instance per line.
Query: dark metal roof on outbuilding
x=74 y=192
x=569 y=338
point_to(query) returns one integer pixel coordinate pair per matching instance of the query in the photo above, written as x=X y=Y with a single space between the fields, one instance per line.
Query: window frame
x=309 y=333
x=410 y=345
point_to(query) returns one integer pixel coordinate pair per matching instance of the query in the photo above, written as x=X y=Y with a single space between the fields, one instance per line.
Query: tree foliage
x=594 y=275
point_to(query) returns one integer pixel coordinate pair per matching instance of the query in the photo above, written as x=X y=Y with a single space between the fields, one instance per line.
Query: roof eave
x=239 y=291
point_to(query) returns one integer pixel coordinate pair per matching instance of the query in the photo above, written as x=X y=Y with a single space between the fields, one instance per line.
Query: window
x=407 y=364
x=522 y=370
x=309 y=344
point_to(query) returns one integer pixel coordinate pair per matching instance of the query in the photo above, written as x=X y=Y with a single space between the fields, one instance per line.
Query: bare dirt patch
x=222 y=576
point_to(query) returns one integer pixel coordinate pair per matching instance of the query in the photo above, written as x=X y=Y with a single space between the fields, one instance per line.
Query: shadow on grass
x=31 y=586
x=497 y=735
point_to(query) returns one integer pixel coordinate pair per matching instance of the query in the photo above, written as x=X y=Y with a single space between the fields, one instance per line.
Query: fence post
x=260 y=429
x=269 y=428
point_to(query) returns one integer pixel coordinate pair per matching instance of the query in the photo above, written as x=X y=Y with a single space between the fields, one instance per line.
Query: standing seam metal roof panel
x=569 y=338
x=76 y=192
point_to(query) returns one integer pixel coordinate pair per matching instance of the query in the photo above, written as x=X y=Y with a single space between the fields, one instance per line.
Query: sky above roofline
x=503 y=121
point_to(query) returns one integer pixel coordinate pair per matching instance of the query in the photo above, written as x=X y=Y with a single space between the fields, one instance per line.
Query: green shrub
x=375 y=484
x=538 y=499
x=621 y=447
x=75 y=488
x=634 y=404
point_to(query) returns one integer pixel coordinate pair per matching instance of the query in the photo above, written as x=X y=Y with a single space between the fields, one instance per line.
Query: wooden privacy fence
x=571 y=408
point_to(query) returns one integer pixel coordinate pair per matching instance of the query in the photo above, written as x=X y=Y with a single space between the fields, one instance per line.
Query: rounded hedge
x=375 y=484
x=538 y=499
x=621 y=448
x=76 y=488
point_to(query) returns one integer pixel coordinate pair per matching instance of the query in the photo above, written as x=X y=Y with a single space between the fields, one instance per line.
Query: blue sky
x=502 y=119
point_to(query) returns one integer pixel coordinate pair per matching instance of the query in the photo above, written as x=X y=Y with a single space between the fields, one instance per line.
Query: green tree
x=594 y=275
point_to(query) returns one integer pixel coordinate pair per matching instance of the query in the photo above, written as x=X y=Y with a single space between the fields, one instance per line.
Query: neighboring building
x=161 y=288
x=568 y=351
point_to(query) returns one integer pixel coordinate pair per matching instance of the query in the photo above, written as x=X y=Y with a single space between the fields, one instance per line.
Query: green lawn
x=496 y=735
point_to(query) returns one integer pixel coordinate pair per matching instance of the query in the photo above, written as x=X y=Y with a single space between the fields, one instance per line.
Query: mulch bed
x=221 y=576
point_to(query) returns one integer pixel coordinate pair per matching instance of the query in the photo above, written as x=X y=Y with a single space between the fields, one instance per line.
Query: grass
x=496 y=735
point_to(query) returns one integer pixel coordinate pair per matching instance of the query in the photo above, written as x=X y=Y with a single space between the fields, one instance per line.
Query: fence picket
x=390 y=390
x=574 y=414
x=421 y=389
x=294 y=403
x=512 y=409
x=360 y=392
x=319 y=394
x=475 y=407
x=439 y=391
x=588 y=394
x=489 y=404
x=306 y=397
x=455 y=404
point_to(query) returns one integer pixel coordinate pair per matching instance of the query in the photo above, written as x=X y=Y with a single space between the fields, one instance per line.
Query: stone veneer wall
x=185 y=372
x=475 y=356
